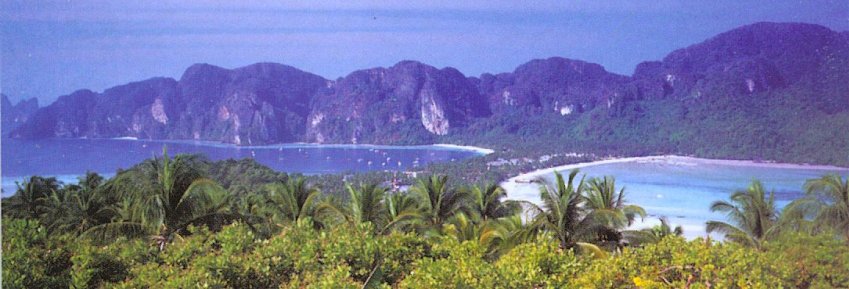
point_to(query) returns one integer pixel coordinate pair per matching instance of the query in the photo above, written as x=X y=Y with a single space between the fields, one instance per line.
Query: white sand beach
x=483 y=151
x=674 y=201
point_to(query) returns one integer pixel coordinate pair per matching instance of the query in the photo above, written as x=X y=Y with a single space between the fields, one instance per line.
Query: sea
x=68 y=159
x=682 y=189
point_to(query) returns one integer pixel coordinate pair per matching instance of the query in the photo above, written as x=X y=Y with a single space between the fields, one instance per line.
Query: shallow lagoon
x=682 y=189
x=67 y=159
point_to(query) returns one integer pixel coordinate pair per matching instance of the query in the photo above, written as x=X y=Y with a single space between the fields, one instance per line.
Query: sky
x=52 y=48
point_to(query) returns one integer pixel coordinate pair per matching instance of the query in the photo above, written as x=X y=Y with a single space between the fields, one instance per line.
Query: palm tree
x=292 y=201
x=90 y=181
x=752 y=214
x=607 y=208
x=439 y=202
x=367 y=203
x=402 y=212
x=653 y=234
x=828 y=200
x=562 y=213
x=78 y=208
x=487 y=202
x=29 y=198
x=485 y=233
x=463 y=228
x=503 y=234
x=166 y=197
x=252 y=210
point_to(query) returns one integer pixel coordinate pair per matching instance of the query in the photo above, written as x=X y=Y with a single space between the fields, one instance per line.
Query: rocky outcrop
x=14 y=115
x=787 y=64
x=256 y=104
x=409 y=99
x=557 y=85
x=748 y=60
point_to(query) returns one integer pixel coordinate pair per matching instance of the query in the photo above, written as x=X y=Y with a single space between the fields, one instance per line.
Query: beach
x=680 y=187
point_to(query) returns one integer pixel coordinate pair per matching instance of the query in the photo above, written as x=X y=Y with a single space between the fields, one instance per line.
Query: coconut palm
x=293 y=201
x=494 y=235
x=828 y=203
x=30 y=197
x=90 y=181
x=439 y=202
x=463 y=228
x=608 y=211
x=562 y=213
x=78 y=208
x=366 y=204
x=402 y=212
x=505 y=233
x=166 y=196
x=487 y=202
x=752 y=214
x=654 y=234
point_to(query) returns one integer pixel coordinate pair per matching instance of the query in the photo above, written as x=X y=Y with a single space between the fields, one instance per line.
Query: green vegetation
x=779 y=126
x=754 y=215
x=167 y=223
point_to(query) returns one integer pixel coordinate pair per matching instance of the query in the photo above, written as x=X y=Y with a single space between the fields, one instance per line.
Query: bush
x=463 y=266
x=31 y=259
x=540 y=264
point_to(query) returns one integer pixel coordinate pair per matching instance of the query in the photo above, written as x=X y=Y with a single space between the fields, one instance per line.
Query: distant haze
x=51 y=48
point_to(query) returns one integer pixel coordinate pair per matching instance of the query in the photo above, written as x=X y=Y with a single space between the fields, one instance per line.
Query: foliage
x=828 y=201
x=653 y=234
x=166 y=196
x=540 y=264
x=439 y=234
x=753 y=213
x=32 y=258
x=675 y=263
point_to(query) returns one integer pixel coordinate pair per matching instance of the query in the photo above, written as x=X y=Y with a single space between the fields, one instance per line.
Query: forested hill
x=777 y=91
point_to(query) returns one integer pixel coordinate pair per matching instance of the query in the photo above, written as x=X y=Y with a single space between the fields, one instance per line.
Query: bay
x=683 y=188
x=67 y=159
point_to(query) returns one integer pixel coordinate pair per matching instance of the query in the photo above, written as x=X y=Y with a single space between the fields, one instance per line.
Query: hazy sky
x=51 y=48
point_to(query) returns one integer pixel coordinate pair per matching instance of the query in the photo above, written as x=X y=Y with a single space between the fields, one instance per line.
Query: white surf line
x=480 y=150
x=534 y=175
x=512 y=187
x=692 y=229
x=210 y=143
x=750 y=163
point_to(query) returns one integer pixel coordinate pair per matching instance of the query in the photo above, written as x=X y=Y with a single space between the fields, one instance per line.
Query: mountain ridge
x=13 y=115
x=773 y=65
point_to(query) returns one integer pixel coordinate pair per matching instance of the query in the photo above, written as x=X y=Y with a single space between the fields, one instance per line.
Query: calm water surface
x=67 y=159
x=683 y=190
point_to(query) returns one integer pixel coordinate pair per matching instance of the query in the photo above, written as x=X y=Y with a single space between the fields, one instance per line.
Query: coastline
x=518 y=187
x=480 y=150
x=667 y=158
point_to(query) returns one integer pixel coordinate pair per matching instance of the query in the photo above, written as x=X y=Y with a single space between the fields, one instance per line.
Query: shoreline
x=726 y=162
x=480 y=150
x=517 y=187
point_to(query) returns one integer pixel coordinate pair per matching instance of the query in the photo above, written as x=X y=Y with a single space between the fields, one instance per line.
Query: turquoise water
x=683 y=189
x=67 y=159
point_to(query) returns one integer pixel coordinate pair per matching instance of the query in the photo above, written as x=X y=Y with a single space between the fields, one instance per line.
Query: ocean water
x=683 y=190
x=67 y=159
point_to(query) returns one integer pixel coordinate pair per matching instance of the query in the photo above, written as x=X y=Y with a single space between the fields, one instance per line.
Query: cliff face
x=409 y=99
x=757 y=58
x=14 y=115
x=557 y=85
x=789 y=68
x=260 y=103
